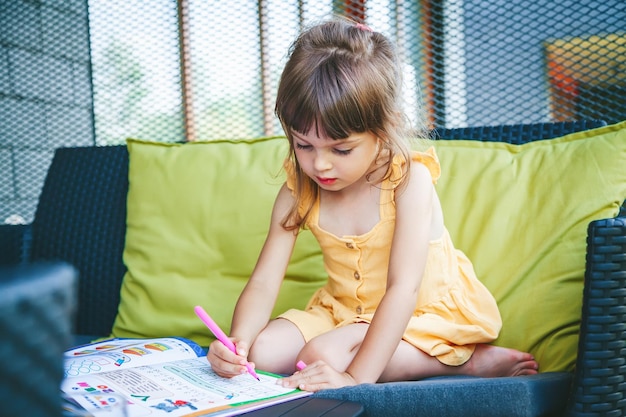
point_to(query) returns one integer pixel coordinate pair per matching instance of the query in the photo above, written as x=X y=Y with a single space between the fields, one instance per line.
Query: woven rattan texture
x=36 y=303
x=81 y=219
x=517 y=134
x=601 y=368
x=15 y=243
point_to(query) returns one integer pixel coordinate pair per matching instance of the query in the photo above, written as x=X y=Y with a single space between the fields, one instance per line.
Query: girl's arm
x=255 y=304
x=257 y=300
x=418 y=220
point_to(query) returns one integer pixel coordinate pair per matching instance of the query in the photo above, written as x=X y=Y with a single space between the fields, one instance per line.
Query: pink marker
x=221 y=336
x=300 y=365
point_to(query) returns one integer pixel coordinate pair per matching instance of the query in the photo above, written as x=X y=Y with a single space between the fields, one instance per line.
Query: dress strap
x=430 y=159
x=307 y=198
x=387 y=195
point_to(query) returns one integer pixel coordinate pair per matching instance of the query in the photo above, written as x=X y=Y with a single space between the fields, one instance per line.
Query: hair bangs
x=331 y=101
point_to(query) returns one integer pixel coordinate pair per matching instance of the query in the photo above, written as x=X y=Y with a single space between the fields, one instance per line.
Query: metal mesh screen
x=87 y=72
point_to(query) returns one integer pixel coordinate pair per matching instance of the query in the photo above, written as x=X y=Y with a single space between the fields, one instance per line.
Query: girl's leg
x=276 y=347
x=409 y=363
x=338 y=347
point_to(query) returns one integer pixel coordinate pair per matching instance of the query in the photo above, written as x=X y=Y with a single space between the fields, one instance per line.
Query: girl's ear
x=380 y=147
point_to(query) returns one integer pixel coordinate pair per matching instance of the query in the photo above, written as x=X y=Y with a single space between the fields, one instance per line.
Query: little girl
x=401 y=302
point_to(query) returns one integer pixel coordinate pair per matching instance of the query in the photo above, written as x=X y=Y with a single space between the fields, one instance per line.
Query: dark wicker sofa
x=81 y=219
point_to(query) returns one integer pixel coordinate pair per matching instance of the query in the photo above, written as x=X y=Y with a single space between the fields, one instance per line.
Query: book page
x=186 y=387
x=114 y=354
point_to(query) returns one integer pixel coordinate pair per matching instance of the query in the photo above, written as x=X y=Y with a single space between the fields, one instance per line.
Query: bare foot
x=494 y=361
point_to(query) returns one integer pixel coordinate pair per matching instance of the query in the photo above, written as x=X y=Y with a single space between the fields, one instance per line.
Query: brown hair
x=340 y=78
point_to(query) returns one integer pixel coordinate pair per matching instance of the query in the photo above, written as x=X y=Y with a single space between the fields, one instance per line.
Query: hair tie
x=363 y=27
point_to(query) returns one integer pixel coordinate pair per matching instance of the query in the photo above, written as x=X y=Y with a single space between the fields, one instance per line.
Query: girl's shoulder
x=290 y=171
x=305 y=193
x=427 y=158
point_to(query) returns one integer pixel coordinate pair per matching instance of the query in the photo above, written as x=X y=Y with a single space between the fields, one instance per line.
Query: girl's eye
x=304 y=147
x=343 y=151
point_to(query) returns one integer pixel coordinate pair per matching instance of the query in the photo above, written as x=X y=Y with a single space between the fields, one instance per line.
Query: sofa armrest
x=600 y=378
x=15 y=241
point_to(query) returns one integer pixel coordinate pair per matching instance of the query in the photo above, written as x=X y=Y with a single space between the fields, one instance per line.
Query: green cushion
x=198 y=214
x=520 y=213
x=197 y=217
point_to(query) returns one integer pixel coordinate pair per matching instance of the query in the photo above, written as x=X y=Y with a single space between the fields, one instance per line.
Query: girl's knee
x=276 y=347
x=315 y=350
x=337 y=347
x=262 y=348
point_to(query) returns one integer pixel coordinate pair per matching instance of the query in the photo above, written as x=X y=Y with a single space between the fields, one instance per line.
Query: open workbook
x=162 y=377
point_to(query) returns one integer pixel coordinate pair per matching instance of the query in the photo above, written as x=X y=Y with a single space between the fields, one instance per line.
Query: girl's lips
x=326 y=181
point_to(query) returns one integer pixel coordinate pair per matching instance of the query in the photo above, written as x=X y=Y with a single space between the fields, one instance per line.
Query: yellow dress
x=453 y=312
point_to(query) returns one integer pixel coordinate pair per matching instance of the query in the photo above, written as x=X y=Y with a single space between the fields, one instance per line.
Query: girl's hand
x=226 y=363
x=316 y=376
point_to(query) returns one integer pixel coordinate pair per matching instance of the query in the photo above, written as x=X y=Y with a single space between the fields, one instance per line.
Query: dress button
x=349 y=245
x=358 y=310
x=357 y=276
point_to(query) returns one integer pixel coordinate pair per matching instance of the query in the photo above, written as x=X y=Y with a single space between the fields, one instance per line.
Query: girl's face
x=336 y=164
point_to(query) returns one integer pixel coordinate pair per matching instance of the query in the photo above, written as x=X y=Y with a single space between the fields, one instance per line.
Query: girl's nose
x=322 y=162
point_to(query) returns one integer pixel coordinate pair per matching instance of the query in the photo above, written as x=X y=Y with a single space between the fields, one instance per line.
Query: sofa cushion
x=198 y=214
x=520 y=396
x=520 y=213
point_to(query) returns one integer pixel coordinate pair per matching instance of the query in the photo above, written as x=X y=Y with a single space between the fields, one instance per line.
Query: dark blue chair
x=37 y=302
